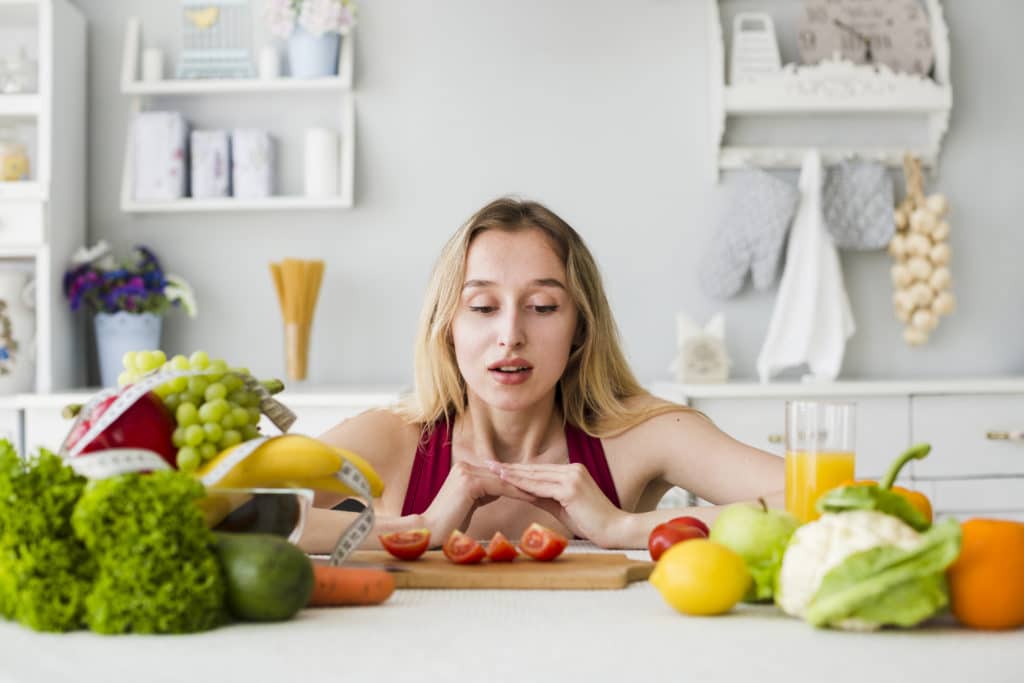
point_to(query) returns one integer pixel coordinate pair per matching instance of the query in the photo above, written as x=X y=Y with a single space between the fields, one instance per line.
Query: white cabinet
x=881 y=424
x=10 y=424
x=319 y=409
x=975 y=428
x=42 y=219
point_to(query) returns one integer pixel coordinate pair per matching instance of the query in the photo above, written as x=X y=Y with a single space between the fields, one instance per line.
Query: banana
x=357 y=461
x=286 y=460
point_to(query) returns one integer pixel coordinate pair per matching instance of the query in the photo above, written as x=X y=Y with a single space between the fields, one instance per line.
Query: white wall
x=596 y=107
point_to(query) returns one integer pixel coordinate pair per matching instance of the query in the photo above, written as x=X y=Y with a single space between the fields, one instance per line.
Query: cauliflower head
x=818 y=547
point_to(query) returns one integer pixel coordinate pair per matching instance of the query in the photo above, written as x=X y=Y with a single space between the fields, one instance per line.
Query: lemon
x=701 y=577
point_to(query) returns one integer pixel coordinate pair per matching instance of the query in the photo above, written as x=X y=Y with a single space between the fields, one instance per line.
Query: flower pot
x=118 y=333
x=312 y=56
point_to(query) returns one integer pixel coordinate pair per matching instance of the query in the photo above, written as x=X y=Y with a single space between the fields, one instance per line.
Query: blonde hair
x=597 y=386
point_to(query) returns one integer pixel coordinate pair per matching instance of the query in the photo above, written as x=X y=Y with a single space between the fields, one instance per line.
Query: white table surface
x=522 y=636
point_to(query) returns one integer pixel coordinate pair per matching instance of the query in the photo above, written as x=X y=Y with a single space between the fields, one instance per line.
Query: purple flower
x=137 y=284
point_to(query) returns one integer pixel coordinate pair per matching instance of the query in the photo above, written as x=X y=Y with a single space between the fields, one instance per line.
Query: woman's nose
x=511 y=333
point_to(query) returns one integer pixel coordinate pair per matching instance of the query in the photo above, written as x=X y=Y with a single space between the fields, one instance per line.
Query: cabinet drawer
x=882 y=427
x=975 y=497
x=961 y=430
x=10 y=428
x=45 y=427
x=21 y=223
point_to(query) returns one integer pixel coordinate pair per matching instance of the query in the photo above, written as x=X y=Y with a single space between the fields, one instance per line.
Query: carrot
x=340 y=586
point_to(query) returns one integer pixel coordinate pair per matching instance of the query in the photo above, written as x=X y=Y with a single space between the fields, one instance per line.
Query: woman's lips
x=517 y=377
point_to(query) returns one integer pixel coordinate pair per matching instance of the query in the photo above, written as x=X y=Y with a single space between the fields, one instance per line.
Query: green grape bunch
x=212 y=411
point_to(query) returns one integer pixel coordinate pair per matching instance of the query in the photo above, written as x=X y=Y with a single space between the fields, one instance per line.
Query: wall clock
x=896 y=33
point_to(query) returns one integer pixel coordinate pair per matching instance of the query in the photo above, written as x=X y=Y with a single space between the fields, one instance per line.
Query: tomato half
x=406 y=545
x=691 y=521
x=500 y=550
x=541 y=543
x=462 y=549
x=666 y=535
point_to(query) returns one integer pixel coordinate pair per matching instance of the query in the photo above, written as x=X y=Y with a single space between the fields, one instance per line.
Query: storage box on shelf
x=181 y=94
x=831 y=88
x=42 y=219
x=975 y=427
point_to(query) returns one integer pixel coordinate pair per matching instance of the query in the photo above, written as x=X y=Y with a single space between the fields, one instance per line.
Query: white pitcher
x=17 y=332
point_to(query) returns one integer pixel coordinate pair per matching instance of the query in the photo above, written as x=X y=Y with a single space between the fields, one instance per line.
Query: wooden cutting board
x=581 y=571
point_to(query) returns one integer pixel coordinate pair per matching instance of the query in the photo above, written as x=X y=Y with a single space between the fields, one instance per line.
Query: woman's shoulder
x=380 y=435
x=656 y=418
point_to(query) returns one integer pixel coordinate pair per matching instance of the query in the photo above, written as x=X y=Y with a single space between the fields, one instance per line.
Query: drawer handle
x=994 y=435
x=775 y=438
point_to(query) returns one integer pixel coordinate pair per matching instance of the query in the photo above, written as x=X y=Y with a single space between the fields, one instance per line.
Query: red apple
x=690 y=521
x=666 y=535
x=146 y=424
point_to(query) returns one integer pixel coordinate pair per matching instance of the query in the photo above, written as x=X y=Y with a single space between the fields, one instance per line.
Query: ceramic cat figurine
x=701 y=354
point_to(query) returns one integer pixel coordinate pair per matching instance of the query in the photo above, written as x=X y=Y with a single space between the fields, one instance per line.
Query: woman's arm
x=682 y=449
x=694 y=454
x=389 y=444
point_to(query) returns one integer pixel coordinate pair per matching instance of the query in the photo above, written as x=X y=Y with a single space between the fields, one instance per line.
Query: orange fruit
x=986 y=583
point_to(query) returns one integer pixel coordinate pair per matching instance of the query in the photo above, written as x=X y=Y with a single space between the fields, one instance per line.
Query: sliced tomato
x=462 y=549
x=406 y=545
x=541 y=543
x=500 y=550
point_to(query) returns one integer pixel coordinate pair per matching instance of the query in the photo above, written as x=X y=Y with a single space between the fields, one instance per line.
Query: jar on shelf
x=17 y=331
x=20 y=74
x=13 y=158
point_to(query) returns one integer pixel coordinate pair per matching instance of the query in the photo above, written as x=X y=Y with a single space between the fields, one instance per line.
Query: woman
x=525 y=410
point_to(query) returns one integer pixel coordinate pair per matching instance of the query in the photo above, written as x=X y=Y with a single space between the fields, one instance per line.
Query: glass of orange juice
x=819 y=452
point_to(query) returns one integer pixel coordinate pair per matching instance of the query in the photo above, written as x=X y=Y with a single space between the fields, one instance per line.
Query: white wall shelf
x=278 y=203
x=831 y=88
x=22 y=189
x=42 y=220
x=142 y=93
x=131 y=85
x=19 y=105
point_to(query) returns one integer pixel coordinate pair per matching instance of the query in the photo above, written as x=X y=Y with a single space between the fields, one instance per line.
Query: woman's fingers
x=543 y=488
x=484 y=482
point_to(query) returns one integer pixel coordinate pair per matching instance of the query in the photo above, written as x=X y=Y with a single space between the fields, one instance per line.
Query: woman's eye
x=545 y=309
x=481 y=309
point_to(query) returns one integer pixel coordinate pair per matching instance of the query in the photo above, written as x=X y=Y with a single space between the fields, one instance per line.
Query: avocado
x=268 y=578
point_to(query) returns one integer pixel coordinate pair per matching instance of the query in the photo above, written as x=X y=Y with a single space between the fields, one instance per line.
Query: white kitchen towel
x=211 y=164
x=252 y=163
x=159 y=155
x=812 y=318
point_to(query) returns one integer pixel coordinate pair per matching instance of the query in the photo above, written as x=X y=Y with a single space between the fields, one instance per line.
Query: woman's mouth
x=514 y=372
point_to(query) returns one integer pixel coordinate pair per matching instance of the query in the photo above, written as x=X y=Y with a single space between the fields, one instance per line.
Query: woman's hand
x=467 y=487
x=569 y=494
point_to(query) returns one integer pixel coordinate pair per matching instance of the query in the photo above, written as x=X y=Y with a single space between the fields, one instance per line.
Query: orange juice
x=808 y=475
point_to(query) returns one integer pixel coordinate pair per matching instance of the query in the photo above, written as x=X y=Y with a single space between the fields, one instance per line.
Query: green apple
x=759 y=535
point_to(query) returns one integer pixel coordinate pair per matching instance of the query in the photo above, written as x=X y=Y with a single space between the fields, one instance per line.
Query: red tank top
x=433 y=461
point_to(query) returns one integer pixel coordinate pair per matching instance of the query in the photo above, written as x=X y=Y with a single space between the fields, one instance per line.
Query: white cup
x=152 y=64
x=323 y=150
x=270 y=63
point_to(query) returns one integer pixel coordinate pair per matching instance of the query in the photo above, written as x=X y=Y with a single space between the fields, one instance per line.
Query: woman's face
x=515 y=322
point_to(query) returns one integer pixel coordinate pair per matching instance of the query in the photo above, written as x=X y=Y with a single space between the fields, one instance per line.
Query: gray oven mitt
x=755 y=211
x=857 y=202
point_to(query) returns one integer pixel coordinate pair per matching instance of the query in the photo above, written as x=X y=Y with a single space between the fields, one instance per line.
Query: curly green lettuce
x=45 y=571
x=157 y=567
